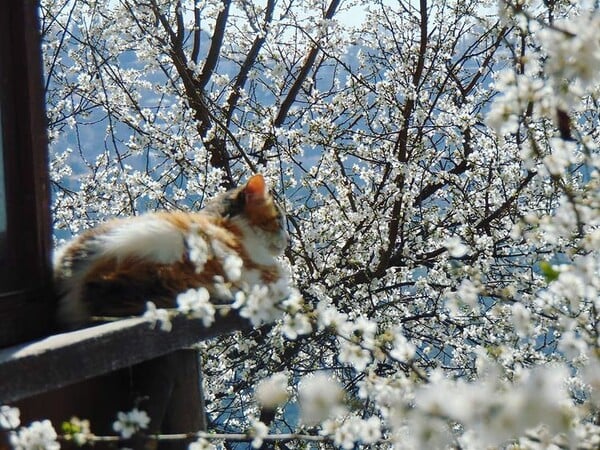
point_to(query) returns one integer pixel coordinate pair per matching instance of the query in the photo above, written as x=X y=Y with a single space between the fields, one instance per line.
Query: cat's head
x=252 y=208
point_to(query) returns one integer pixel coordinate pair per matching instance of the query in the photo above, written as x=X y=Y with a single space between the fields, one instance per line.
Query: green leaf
x=549 y=272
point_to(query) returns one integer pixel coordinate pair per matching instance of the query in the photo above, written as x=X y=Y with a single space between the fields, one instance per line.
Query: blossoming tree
x=438 y=164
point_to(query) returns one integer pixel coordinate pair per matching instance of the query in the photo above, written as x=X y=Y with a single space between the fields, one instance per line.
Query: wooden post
x=168 y=388
x=170 y=391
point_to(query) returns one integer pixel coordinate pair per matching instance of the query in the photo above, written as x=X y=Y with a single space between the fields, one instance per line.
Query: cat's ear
x=255 y=189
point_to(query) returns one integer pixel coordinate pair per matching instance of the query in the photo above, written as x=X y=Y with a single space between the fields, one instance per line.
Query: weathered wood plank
x=63 y=359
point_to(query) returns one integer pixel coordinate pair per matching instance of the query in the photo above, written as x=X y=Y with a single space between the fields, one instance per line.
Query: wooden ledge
x=63 y=359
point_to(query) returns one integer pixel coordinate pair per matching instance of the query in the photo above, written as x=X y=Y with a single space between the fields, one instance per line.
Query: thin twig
x=239 y=437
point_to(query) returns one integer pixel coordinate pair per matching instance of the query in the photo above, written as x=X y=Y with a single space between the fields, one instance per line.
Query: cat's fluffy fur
x=115 y=268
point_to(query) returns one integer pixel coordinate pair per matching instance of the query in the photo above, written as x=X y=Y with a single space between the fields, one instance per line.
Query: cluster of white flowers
x=402 y=349
x=196 y=303
x=562 y=156
x=521 y=319
x=320 y=398
x=198 y=250
x=272 y=391
x=463 y=301
x=129 y=423
x=160 y=315
x=295 y=321
x=357 y=340
x=267 y=303
x=321 y=401
x=232 y=266
x=573 y=50
x=258 y=431
x=77 y=430
x=202 y=444
x=38 y=435
x=353 y=430
x=9 y=417
x=496 y=411
x=456 y=247
x=257 y=305
x=573 y=288
x=518 y=92
x=329 y=316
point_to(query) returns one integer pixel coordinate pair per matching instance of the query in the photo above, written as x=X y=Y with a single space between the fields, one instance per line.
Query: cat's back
x=114 y=269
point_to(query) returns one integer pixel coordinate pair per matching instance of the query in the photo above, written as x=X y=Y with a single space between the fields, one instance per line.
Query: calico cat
x=115 y=268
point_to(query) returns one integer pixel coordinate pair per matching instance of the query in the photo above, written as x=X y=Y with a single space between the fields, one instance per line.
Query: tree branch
x=194 y=88
x=215 y=46
x=197 y=35
x=295 y=88
x=249 y=62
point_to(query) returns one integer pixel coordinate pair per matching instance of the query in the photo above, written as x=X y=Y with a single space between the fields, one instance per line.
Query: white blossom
x=272 y=391
x=329 y=316
x=355 y=355
x=591 y=376
x=346 y=433
x=129 y=423
x=258 y=432
x=521 y=317
x=78 y=430
x=498 y=413
x=370 y=430
x=361 y=331
x=38 y=435
x=562 y=156
x=456 y=248
x=296 y=325
x=198 y=250
x=196 y=303
x=9 y=417
x=258 y=304
x=159 y=315
x=402 y=349
x=202 y=444
x=232 y=265
x=571 y=345
x=319 y=396
x=468 y=293
x=573 y=49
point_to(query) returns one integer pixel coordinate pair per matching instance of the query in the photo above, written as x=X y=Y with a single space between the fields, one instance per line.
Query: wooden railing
x=95 y=372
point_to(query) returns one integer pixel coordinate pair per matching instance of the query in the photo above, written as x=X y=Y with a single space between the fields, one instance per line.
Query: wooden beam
x=63 y=359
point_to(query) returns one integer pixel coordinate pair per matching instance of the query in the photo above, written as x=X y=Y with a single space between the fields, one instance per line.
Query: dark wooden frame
x=25 y=282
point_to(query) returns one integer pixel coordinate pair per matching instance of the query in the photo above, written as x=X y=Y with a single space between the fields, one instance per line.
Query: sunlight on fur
x=228 y=253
